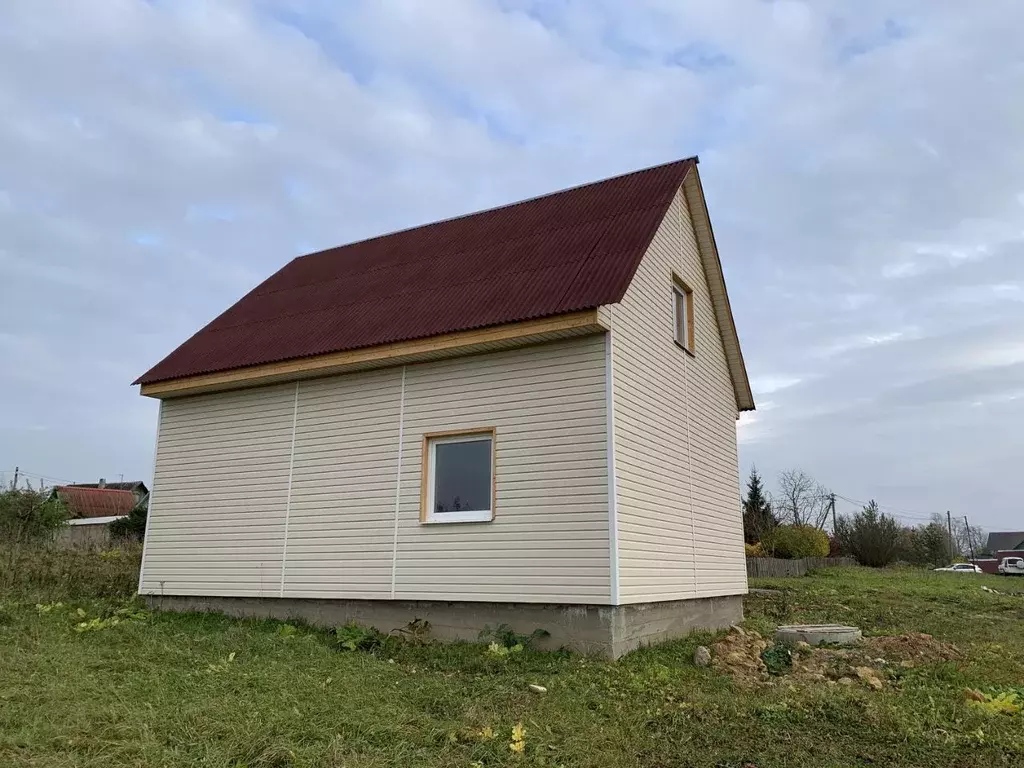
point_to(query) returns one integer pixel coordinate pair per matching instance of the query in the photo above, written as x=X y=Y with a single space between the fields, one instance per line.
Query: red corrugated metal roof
x=568 y=251
x=95 y=502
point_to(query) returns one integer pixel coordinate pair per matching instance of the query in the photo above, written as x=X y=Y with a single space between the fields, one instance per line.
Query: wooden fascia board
x=694 y=196
x=382 y=355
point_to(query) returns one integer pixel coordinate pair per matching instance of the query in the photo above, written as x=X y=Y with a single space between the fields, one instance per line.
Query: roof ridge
x=503 y=206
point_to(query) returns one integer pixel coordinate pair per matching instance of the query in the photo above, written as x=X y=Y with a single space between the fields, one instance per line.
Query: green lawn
x=187 y=690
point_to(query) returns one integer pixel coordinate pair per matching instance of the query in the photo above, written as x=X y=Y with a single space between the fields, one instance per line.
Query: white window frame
x=430 y=443
x=682 y=314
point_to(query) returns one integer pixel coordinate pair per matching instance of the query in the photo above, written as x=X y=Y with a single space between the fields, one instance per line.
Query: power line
x=908 y=515
x=26 y=473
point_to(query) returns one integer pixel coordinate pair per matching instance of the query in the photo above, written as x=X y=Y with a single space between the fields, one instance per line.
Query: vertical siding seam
x=689 y=465
x=613 y=515
x=149 y=500
x=398 y=484
x=288 y=497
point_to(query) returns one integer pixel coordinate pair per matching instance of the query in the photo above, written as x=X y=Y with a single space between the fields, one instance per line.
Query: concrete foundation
x=599 y=630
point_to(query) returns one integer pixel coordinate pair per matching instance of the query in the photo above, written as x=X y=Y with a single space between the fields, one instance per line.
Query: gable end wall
x=679 y=527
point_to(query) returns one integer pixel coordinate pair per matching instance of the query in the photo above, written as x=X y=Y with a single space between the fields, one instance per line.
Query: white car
x=961 y=568
x=1012 y=566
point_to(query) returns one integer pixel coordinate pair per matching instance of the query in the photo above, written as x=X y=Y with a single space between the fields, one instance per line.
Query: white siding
x=220 y=493
x=549 y=537
x=679 y=524
x=221 y=499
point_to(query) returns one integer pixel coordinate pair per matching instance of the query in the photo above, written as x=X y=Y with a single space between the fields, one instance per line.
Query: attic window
x=458 y=477
x=682 y=314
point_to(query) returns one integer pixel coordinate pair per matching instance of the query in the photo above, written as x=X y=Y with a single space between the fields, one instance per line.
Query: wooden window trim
x=491 y=432
x=680 y=287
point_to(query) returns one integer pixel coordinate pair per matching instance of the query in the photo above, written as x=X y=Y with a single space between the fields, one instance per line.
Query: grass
x=205 y=690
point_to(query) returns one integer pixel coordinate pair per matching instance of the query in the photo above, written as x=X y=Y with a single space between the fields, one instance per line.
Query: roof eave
x=505 y=336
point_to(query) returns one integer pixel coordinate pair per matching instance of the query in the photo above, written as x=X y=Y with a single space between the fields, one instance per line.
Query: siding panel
x=548 y=541
x=221 y=489
x=217 y=514
x=679 y=524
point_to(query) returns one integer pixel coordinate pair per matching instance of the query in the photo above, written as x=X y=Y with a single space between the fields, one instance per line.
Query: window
x=458 y=477
x=682 y=314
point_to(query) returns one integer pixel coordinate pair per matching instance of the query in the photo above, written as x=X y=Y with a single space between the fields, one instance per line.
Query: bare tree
x=801 y=500
x=963 y=543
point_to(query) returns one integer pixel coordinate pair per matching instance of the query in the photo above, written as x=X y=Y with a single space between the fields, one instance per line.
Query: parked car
x=1012 y=566
x=961 y=568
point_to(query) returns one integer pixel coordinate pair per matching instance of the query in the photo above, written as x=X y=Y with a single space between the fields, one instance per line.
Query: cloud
x=861 y=160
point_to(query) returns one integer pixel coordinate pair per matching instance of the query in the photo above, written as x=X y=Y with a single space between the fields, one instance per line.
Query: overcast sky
x=863 y=163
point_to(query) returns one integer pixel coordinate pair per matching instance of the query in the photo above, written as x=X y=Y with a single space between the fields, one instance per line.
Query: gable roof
x=95 y=502
x=564 y=252
x=1005 y=540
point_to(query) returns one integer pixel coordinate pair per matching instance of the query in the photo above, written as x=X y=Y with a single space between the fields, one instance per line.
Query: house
x=1005 y=541
x=524 y=416
x=137 y=487
x=90 y=511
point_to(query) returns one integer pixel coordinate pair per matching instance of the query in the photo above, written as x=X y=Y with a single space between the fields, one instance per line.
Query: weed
x=1003 y=703
x=778 y=659
x=504 y=635
x=356 y=637
x=416 y=631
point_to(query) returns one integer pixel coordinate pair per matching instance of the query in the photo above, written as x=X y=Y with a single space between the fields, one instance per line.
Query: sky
x=863 y=163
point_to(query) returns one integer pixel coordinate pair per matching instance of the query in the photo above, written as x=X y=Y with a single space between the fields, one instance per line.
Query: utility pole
x=949 y=525
x=970 y=539
x=832 y=503
x=15 y=486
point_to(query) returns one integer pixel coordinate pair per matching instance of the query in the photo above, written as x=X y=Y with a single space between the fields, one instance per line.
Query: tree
x=758 y=519
x=871 y=536
x=801 y=499
x=925 y=545
x=963 y=544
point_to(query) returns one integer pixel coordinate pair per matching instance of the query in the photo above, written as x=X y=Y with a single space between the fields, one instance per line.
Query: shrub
x=754 y=550
x=871 y=536
x=132 y=527
x=28 y=518
x=795 y=541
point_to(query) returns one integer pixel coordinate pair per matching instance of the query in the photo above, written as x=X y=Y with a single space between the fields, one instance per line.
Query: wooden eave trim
x=379 y=356
x=695 y=201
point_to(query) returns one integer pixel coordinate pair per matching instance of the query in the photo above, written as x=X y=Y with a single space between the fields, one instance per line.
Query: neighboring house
x=90 y=511
x=1005 y=541
x=137 y=487
x=524 y=416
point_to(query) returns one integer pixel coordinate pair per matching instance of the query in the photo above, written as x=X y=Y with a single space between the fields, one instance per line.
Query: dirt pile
x=742 y=655
x=912 y=649
x=738 y=655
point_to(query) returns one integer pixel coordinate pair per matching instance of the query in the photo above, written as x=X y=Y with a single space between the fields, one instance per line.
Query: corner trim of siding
x=398 y=484
x=288 y=497
x=613 y=515
x=152 y=491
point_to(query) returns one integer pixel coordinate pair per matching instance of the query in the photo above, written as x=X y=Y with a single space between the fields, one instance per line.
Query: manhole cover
x=816 y=634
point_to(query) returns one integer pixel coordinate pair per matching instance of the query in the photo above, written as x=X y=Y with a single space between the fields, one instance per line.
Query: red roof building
x=95 y=502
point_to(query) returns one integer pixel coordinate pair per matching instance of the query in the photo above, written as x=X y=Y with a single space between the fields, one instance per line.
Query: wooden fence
x=775 y=567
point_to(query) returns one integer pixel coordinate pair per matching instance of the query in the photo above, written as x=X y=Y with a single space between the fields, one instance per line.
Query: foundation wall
x=607 y=631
